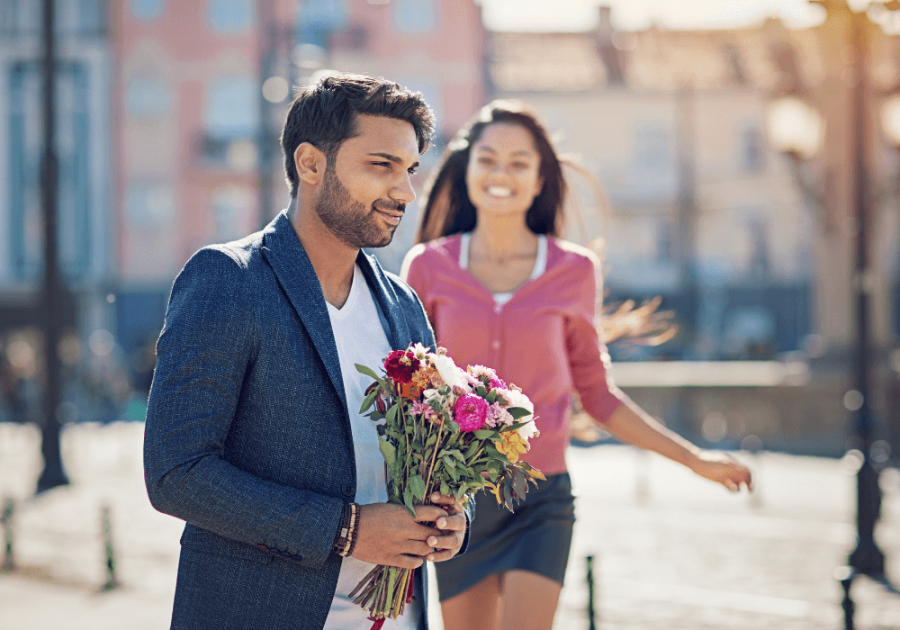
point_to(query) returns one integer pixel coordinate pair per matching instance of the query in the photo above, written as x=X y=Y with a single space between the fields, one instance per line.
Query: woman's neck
x=501 y=239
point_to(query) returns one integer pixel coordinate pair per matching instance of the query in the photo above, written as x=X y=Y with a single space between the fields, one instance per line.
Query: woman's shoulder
x=433 y=254
x=568 y=254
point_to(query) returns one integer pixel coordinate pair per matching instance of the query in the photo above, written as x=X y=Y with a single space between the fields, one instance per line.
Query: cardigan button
x=495 y=344
x=348 y=490
x=498 y=308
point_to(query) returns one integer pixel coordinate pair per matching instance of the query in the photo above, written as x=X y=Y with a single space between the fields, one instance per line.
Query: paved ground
x=671 y=551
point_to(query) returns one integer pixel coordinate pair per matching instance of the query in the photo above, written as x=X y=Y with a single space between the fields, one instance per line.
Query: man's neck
x=332 y=259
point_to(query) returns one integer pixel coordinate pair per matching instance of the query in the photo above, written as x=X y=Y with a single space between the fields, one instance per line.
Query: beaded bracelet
x=346 y=538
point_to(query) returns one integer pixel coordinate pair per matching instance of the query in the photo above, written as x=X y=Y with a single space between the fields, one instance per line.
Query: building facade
x=700 y=209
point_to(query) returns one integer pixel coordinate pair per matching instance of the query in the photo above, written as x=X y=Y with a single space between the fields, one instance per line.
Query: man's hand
x=453 y=529
x=388 y=536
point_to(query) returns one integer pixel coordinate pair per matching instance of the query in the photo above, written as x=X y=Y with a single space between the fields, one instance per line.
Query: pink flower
x=423 y=409
x=470 y=412
x=486 y=376
x=497 y=414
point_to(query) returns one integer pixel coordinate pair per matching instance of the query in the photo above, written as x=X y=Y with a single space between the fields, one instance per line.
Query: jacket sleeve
x=588 y=358
x=207 y=345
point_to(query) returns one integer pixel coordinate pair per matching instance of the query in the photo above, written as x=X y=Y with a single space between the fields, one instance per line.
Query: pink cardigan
x=542 y=340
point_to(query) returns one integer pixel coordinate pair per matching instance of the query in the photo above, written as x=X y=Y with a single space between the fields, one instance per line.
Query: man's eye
x=412 y=170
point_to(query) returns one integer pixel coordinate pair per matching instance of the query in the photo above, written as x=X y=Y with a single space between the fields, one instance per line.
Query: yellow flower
x=512 y=445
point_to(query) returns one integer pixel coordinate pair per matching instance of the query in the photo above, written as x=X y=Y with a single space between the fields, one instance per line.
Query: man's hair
x=325 y=115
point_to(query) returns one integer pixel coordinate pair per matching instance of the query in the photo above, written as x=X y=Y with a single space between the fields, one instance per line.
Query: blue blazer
x=248 y=436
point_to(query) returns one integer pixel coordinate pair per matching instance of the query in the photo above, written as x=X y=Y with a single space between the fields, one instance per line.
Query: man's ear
x=310 y=163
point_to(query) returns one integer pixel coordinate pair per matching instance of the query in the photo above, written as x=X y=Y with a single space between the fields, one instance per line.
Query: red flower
x=400 y=366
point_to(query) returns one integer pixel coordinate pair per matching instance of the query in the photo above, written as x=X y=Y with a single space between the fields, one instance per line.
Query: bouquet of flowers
x=449 y=430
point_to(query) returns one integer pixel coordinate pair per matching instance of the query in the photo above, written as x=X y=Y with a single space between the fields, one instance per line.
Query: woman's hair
x=448 y=209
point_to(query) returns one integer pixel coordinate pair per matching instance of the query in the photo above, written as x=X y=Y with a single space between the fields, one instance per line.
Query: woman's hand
x=452 y=526
x=723 y=469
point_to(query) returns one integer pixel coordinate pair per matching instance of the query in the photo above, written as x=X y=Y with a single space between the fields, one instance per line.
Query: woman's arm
x=632 y=424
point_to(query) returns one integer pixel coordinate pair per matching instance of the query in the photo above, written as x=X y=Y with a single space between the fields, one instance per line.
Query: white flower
x=516 y=398
x=450 y=373
x=527 y=430
x=419 y=351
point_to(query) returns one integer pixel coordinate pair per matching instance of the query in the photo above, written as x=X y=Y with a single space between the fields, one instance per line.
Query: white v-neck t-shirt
x=360 y=339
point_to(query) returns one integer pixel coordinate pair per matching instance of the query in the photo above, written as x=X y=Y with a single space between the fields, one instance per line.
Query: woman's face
x=503 y=175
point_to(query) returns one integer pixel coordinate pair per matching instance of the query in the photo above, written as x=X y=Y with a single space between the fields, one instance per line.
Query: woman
x=502 y=290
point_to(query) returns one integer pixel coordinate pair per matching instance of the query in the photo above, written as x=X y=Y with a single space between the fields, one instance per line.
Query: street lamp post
x=866 y=558
x=53 y=474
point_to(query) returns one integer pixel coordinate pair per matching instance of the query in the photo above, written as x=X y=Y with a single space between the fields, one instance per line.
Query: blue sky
x=579 y=15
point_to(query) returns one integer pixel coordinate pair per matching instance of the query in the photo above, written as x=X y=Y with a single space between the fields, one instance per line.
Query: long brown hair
x=448 y=209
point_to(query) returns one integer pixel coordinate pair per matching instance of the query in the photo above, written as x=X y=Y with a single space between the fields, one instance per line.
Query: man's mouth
x=393 y=215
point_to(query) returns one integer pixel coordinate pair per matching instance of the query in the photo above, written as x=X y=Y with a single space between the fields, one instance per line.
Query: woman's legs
x=476 y=608
x=515 y=600
x=528 y=601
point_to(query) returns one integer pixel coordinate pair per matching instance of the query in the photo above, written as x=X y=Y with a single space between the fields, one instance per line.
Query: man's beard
x=348 y=219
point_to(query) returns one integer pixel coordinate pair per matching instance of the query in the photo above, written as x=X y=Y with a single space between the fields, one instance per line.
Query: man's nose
x=403 y=191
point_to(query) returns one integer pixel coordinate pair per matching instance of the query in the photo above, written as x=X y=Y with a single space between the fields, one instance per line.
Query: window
x=414 y=16
x=147 y=10
x=148 y=97
x=665 y=241
x=232 y=107
x=149 y=205
x=651 y=150
x=758 y=235
x=232 y=212
x=230 y=16
x=25 y=237
x=20 y=17
x=752 y=158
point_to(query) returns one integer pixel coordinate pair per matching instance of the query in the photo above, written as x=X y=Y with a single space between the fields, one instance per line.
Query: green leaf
x=445 y=489
x=485 y=434
x=473 y=448
x=417 y=486
x=362 y=369
x=431 y=440
x=368 y=400
x=481 y=390
x=392 y=414
x=449 y=462
x=408 y=502
x=388 y=451
x=491 y=398
x=518 y=412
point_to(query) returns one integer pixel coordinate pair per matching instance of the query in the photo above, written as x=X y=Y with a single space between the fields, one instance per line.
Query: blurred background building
x=168 y=121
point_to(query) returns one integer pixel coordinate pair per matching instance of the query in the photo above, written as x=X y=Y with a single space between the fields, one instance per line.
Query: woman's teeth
x=499 y=191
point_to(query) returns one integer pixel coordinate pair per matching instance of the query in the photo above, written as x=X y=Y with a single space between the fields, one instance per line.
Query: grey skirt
x=535 y=538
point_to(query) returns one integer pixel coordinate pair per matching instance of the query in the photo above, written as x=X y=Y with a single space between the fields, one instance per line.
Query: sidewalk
x=671 y=551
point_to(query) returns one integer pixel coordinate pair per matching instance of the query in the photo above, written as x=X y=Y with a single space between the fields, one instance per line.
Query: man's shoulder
x=239 y=254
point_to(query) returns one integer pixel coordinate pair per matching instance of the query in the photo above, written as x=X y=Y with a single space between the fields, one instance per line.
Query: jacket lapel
x=295 y=273
x=397 y=330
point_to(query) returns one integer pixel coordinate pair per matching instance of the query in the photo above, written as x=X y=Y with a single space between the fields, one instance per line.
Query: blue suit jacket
x=248 y=436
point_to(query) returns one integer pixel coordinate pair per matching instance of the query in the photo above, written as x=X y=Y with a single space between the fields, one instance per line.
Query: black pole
x=591 y=610
x=53 y=474
x=867 y=558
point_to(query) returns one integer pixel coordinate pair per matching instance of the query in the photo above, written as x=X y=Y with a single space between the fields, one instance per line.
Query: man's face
x=367 y=185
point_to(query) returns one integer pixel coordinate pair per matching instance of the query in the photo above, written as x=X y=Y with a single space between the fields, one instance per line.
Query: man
x=253 y=434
